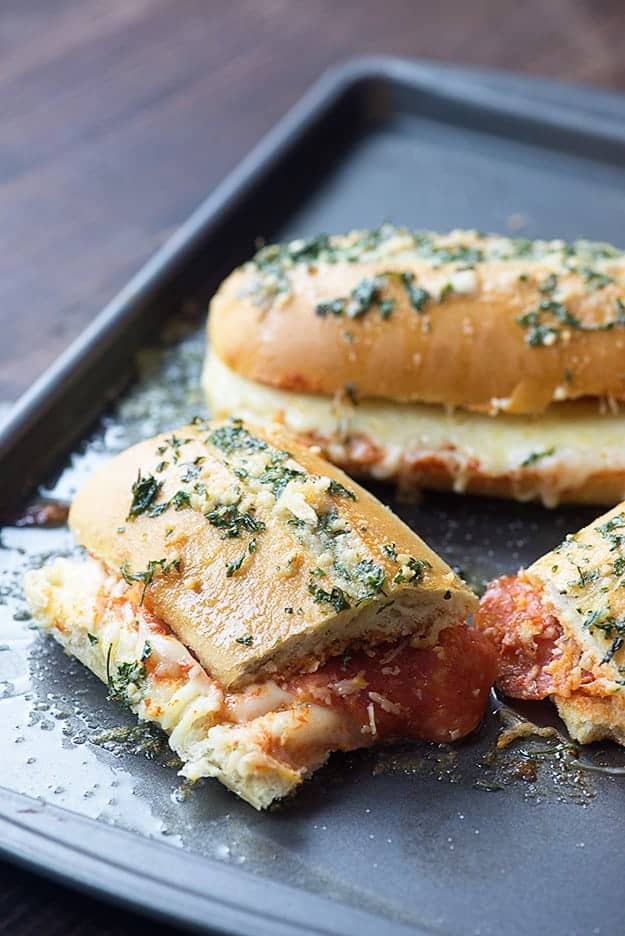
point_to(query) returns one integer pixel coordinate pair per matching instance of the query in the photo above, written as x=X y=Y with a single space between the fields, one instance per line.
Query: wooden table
x=118 y=116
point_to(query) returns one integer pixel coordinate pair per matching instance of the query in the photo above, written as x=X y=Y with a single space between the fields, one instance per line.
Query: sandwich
x=459 y=361
x=263 y=609
x=559 y=630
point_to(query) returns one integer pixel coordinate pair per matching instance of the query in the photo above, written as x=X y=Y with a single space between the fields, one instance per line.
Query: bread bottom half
x=573 y=453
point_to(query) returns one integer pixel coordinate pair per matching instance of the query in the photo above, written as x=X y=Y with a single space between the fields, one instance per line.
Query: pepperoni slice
x=513 y=617
x=435 y=694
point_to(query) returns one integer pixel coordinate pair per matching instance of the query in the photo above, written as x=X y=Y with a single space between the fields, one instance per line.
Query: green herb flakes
x=417 y=569
x=339 y=490
x=233 y=522
x=534 y=457
x=155 y=567
x=128 y=676
x=246 y=641
x=180 y=500
x=234 y=437
x=418 y=297
x=336 y=597
x=145 y=490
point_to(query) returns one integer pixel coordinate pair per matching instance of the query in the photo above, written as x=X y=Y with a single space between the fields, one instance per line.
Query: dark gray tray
x=420 y=839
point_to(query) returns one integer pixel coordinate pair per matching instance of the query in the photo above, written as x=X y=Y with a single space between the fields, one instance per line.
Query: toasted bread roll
x=261 y=608
x=258 y=554
x=560 y=629
x=463 y=319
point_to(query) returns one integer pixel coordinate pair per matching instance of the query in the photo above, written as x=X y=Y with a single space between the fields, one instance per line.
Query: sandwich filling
x=263 y=740
x=571 y=452
x=559 y=629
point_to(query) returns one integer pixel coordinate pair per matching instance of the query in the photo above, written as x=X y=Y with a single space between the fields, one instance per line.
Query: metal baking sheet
x=420 y=838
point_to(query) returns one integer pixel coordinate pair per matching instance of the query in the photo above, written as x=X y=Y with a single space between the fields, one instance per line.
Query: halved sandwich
x=262 y=608
x=463 y=361
x=559 y=627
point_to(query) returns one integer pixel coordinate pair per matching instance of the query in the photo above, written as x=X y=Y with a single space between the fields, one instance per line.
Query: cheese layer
x=549 y=457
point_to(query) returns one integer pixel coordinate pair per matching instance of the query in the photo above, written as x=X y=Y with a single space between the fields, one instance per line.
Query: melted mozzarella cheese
x=261 y=742
x=551 y=453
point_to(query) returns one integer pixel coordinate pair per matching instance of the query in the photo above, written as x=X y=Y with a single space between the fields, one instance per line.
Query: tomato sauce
x=398 y=691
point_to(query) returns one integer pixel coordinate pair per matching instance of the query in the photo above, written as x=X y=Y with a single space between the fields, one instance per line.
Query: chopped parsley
x=126 y=676
x=145 y=490
x=180 y=500
x=585 y=577
x=549 y=284
x=595 y=279
x=336 y=597
x=246 y=641
x=386 y=308
x=193 y=470
x=235 y=437
x=276 y=475
x=92 y=638
x=339 y=490
x=417 y=567
x=534 y=457
x=330 y=307
x=233 y=567
x=233 y=522
x=175 y=444
x=154 y=567
x=542 y=333
x=418 y=297
x=370 y=576
x=617 y=643
x=390 y=550
x=366 y=295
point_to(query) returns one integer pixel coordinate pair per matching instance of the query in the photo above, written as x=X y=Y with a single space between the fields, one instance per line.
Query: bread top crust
x=461 y=319
x=257 y=553
x=582 y=581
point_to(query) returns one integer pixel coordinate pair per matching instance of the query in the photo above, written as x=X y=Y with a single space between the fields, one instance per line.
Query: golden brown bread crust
x=581 y=582
x=510 y=325
x=237 y=574
x=589 y=719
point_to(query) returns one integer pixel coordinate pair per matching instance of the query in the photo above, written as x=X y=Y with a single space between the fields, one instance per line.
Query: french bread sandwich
x=464 y=361
x=559 y=629
x=263 y=609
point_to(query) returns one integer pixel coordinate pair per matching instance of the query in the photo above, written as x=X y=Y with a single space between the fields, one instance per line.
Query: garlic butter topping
x=459 y=263
x=254 y=482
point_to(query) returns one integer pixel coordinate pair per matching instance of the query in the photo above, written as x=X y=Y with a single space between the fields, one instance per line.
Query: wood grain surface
x=118 y=116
